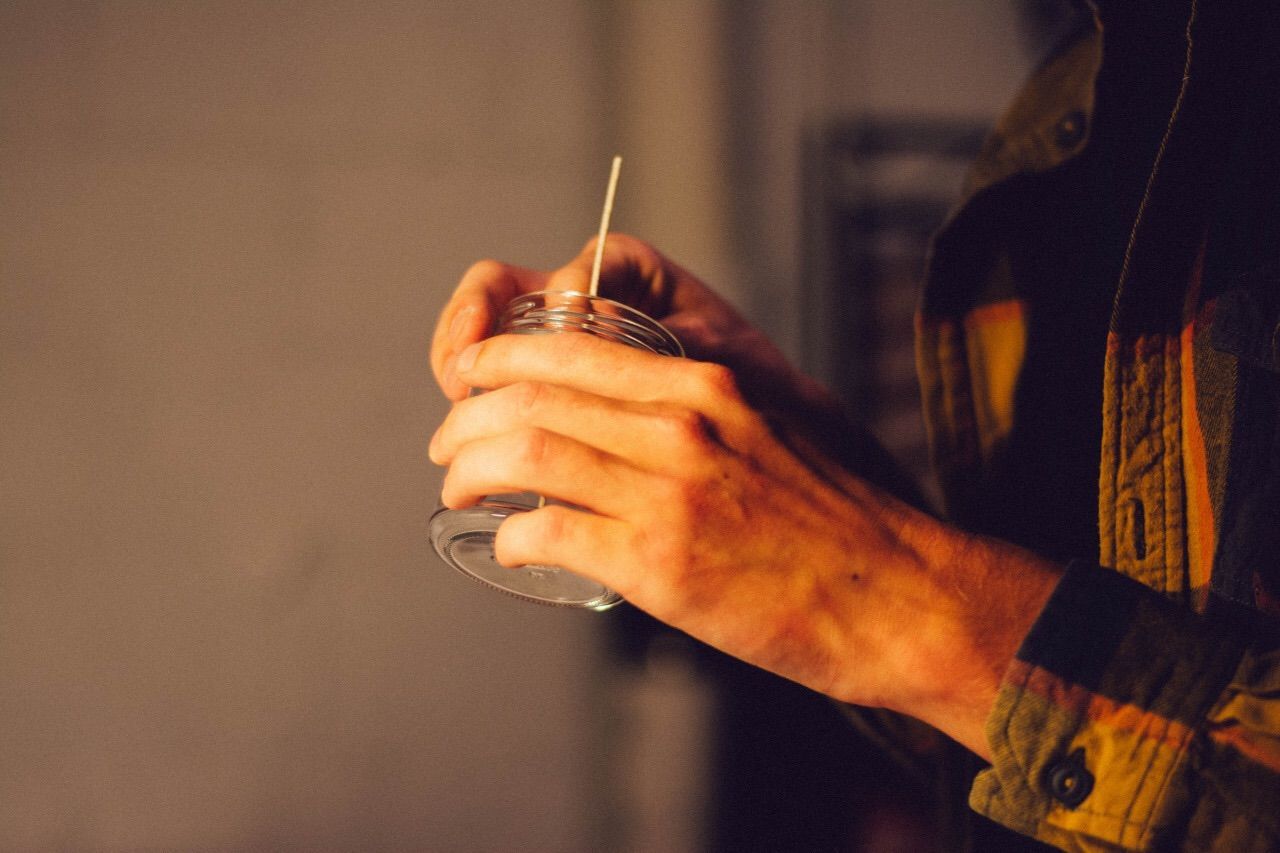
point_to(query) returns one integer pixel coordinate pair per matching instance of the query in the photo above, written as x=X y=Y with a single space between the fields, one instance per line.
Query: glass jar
x=464 y=537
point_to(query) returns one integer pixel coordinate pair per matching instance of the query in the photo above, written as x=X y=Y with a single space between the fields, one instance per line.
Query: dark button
x=1068 y=780
x=1069 y=130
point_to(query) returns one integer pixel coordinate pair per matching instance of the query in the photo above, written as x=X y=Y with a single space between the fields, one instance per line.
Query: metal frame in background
x=878 y=188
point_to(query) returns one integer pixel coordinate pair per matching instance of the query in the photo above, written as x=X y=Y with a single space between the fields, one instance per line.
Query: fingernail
x=467 y=358
x=459 y=324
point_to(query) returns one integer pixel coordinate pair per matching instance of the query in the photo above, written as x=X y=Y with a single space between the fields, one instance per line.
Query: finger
x=596 y=366
x=590 y=545
x=530 y=459
x=656 y=437
x=631 y=272
x=471 y=313
x=634 y=273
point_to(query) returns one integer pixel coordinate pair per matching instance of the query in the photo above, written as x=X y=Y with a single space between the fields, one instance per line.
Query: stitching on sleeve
x=1008 y=722
x=1144 y=826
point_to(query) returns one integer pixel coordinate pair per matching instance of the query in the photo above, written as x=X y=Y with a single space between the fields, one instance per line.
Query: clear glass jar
x=464 y=537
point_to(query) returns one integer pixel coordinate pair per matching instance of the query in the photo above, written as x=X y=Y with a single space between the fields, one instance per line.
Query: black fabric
x=1096 y=616
x=1067 y=231
x=1099 y=605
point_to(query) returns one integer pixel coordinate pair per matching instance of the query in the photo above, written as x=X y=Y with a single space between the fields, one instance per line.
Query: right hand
x=672 y=488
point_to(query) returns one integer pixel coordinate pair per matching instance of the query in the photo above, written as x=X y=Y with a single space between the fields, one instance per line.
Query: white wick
x=604 y=225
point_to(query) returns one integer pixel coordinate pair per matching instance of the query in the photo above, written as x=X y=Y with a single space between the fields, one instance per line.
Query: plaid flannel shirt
x=1143 y=710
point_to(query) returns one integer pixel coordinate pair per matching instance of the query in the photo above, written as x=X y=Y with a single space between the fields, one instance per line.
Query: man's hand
x=634 y=274
x=686 y=502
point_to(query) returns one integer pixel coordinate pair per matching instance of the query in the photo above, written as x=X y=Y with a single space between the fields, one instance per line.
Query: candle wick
x=605 y=215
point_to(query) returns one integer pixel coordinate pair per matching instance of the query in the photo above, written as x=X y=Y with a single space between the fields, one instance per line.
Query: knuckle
x=689 y=436
x=717 y=381
x=527 y=396
x=484 y=270
x=533 y=446
x=685 y=427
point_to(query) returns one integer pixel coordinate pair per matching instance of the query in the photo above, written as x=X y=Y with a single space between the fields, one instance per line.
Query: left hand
x=696 y=512
x=636 y=274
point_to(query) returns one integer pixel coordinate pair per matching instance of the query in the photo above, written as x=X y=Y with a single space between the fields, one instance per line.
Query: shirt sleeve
x=1126 y=722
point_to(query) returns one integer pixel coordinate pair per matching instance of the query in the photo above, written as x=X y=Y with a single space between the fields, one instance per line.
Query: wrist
x=989 y=595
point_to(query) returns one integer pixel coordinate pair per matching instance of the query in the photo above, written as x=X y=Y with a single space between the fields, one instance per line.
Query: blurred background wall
x=225 y=230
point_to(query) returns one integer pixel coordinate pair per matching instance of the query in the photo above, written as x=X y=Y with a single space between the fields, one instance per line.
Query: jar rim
x=598 y=313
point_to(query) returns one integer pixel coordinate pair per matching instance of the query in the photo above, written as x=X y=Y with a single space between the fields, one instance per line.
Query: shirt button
x=1069 y=130
x=1068 y=781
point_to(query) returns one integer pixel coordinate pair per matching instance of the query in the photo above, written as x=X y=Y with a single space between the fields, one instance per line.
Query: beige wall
x=225 y=229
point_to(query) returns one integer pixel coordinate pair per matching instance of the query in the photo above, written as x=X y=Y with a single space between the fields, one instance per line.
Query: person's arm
x=702 y=512
x=1122 y=721
x=701 y=516
x=1126 y=721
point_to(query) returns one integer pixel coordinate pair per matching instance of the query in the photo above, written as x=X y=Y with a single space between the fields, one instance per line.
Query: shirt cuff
x=1095 y=717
